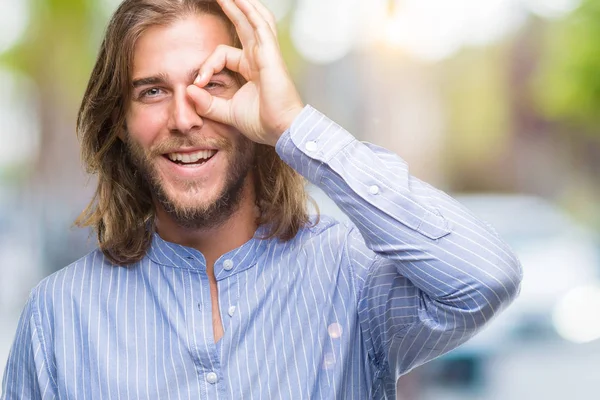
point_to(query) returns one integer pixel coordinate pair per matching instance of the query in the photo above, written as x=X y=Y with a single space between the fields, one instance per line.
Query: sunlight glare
x=552 y=8
x=435 y=29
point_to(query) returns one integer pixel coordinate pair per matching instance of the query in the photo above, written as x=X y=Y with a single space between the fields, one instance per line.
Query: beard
x=201 y=215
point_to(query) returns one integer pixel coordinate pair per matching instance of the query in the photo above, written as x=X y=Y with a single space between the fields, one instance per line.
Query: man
x=210 y=280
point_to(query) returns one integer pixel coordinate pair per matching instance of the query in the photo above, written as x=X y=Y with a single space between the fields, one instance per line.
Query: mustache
x=173 y=144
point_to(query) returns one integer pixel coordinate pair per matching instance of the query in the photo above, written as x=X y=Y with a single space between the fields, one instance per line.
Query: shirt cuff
x=314 y=135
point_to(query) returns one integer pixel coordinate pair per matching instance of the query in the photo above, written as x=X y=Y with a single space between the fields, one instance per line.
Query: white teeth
x=188 y=158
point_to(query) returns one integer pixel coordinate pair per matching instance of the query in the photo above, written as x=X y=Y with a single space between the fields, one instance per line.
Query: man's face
x=195 y=167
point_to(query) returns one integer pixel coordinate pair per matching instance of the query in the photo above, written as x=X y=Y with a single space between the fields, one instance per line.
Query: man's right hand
x=265 y=106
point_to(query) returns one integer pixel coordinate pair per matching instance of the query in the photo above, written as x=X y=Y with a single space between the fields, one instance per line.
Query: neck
x=216 y=241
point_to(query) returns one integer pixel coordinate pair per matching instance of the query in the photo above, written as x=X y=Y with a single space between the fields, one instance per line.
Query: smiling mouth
x=191 y=159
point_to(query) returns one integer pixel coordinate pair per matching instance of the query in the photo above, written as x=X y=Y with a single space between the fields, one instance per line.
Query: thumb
x=211 y=107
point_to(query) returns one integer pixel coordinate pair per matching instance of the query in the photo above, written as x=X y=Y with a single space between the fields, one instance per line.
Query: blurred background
x=494 y=101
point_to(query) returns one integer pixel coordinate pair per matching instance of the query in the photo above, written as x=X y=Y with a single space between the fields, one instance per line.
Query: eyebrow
x=163 y=78
x=151 y=80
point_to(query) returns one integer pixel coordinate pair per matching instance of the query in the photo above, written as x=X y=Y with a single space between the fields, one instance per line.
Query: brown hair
x=122 y=211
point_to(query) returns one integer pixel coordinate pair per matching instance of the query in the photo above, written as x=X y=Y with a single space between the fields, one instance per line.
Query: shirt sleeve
x=26 y=375
x=428 y=273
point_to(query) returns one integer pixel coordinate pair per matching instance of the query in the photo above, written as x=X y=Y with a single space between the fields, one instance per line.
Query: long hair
x=122 y=210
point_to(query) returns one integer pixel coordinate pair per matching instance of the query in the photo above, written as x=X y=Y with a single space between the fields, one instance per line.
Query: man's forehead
x=178 y=46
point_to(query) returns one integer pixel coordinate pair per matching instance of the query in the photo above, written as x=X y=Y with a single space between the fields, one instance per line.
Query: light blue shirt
x=339 y=312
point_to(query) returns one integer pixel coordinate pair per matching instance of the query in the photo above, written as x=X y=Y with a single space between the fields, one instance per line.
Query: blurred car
x=561 y=261
x=560 y=289
x=559 y=257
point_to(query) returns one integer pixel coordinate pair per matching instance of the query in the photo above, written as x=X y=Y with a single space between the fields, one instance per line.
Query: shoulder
x=323 y=227
x=70 y=279
x=324 y=231
x=60 y=291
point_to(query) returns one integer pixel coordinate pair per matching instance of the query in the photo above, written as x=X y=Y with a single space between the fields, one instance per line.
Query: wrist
x=286 y=120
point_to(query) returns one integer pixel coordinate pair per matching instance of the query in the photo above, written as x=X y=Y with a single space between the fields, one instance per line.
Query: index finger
x=222 y=57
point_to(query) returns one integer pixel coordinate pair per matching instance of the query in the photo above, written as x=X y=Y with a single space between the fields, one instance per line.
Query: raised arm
x=429 y=273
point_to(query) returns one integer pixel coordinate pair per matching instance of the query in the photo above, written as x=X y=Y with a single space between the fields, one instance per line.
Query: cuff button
x=311 y=146
x=374 y=189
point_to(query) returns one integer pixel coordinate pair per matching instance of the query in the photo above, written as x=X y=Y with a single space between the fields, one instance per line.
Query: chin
x=192 y=198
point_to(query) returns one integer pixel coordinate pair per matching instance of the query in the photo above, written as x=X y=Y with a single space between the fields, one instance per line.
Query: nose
x=183 y=117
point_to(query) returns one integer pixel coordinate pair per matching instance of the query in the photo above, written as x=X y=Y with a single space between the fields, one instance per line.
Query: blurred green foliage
x=476 y=89
x=62 y=41
x=568 y=88
x=58 y=47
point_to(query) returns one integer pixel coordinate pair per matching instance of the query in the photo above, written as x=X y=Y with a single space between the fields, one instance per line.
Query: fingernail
x=198 y=78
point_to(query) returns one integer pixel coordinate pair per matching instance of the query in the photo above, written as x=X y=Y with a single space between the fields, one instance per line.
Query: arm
x=429 y=274
x=26 y=375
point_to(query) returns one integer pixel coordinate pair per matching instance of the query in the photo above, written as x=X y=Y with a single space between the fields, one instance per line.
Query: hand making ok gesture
x=265 y=106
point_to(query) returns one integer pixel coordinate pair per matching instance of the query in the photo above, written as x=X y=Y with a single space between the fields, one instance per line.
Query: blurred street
x=550 y=371
x=8 y=327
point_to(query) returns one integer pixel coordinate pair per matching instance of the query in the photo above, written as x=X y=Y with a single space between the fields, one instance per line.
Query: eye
x=152 y=92
x=213 y=85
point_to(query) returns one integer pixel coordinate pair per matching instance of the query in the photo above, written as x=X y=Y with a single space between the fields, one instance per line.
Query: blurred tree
x=56 y=53
x=568 y=84
x=567 y=92
x=480 y=126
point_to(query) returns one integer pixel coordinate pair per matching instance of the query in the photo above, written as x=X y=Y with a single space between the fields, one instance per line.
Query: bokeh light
x=19 y=126
x=324 y=31
x=577 y=316
x=279 y=8
x=431 y=30
x=435 y=29
x=14 y=17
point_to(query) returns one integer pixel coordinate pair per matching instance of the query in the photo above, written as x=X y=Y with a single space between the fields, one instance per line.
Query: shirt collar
x=235 y=261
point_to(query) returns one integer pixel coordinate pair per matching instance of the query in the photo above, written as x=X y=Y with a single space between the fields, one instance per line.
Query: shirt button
x=231 y=311
x=227 y=265
x=374 y=189
x=311 y=146
x=212 y=378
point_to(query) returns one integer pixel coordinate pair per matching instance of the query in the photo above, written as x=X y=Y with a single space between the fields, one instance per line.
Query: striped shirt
x=338 y=312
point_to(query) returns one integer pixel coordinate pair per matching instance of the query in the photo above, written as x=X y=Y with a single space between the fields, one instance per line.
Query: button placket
x=202 y=347
x=228 y=301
